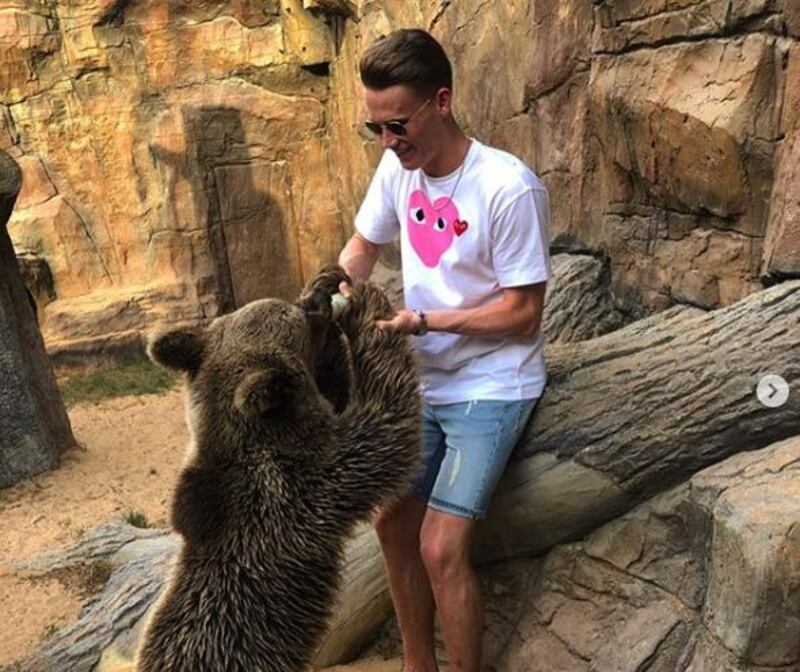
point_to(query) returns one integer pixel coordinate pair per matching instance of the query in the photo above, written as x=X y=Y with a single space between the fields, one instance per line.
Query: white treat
x=339 y=303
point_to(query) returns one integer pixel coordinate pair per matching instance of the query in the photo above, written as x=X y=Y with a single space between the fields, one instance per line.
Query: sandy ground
x=130 y=451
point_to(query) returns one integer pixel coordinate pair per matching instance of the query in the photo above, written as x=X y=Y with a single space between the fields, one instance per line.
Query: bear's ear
x=180 y=349
x=266 y=389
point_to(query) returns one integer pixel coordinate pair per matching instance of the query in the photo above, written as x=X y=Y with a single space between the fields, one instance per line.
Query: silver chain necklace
x=455 y=186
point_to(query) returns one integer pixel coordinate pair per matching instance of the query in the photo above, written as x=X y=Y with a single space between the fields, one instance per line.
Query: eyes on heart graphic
x=431 y=227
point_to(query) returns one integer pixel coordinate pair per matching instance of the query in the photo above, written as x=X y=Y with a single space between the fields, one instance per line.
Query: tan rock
x=629 y=24
x=782 y=244
x=55 y=229
x=307 y=39
x=36 y=184
x=29 y=37
x=220 y=191
x=753 y=601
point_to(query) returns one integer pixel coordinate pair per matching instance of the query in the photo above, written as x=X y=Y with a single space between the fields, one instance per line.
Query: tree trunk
x=35 y=426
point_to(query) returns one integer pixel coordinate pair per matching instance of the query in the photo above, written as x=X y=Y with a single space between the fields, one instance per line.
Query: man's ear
x=180 y=349
x=266 y=389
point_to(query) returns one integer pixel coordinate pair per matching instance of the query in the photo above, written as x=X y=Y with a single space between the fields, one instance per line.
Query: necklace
x=449 y=199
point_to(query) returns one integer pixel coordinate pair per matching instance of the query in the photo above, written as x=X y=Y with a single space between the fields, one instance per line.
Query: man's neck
x=454 y=150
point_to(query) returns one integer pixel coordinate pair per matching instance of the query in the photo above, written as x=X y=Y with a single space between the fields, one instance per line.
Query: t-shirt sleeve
x=376 y=219
x=520 y=242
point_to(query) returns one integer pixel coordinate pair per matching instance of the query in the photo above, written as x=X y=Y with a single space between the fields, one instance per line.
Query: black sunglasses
x=395 y=126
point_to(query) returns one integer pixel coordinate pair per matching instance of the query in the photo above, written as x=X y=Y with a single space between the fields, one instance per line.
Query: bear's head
x=251 y=368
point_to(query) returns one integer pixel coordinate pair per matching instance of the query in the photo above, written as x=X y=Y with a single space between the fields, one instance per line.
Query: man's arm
x=358 y=257
x=518 y=313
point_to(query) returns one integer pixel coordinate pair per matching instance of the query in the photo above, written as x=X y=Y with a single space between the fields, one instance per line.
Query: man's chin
x=408 y=159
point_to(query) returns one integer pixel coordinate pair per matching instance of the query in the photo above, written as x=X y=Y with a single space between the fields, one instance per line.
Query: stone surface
x=782 y=246
x=178 y=154
x=685 y=168
x=36 y=428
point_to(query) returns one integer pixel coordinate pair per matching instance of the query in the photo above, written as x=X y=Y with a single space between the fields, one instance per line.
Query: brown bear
x=278 y=473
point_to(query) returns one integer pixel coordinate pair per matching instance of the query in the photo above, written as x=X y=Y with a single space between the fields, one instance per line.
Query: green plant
x=142 y=377
x=136 y=518
x=95 y=575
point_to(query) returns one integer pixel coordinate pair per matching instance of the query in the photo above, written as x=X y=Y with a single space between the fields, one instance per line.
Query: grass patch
x=95 y=576
x=137 y=519
x=50 y=630
x=142 y=377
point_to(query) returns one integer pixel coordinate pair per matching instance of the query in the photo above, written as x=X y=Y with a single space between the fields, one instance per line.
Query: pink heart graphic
x=430 y=227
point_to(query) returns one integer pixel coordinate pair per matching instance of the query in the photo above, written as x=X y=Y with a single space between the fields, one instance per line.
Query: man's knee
x=445 y=551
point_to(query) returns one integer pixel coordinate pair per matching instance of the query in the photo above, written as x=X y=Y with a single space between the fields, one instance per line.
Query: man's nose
x=388 y=139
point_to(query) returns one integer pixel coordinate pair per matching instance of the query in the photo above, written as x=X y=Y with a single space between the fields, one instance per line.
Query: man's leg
x=398 y=530
x=445 y=546
x=479 y=438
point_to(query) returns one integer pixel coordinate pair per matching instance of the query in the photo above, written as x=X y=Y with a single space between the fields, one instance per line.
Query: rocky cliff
x=183 y=158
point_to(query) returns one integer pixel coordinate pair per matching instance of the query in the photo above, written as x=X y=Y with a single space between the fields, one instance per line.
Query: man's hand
x=404 y=322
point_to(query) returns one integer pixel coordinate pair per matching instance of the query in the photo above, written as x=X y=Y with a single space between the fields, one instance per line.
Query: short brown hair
x=409 y=56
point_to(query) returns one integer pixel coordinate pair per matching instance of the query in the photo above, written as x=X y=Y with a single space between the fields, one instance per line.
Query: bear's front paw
x=318 y=299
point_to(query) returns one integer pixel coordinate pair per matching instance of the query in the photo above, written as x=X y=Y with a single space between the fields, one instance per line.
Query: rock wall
x=175 y=156
x=665 y=131
x=181 y=159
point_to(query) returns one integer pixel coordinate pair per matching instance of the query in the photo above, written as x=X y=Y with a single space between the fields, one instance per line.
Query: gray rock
x=35 y=426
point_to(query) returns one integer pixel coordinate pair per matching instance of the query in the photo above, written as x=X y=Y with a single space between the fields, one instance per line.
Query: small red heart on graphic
x=460 y=225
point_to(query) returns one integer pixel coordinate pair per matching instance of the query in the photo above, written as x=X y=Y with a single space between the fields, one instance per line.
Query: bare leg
x=398 y=531
x=445 y=547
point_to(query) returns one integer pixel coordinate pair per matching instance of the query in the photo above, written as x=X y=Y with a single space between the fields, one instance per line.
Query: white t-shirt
x=464 y=237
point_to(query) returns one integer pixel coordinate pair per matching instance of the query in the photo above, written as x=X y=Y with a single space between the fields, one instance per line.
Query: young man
x=473 y=227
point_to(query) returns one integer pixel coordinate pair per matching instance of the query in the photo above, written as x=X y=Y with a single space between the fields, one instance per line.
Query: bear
x=301 y=425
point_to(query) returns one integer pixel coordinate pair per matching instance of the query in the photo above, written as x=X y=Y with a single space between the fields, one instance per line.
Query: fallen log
x=636 y=411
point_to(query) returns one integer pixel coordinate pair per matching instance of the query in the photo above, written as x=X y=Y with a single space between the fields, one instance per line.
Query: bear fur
x=300 y=427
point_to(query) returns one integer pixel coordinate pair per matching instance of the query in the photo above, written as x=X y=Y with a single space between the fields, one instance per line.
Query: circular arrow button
x=772 y=391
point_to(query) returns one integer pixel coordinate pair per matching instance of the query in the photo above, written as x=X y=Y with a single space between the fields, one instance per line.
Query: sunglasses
x=395 y=126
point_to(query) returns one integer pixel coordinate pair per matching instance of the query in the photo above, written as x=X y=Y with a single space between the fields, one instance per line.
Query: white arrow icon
x=772 y=391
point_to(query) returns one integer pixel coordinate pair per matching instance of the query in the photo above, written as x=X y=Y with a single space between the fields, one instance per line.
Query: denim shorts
x=465 y=448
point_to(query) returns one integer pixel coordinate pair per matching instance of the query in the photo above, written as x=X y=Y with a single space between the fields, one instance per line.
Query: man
x=472 y=222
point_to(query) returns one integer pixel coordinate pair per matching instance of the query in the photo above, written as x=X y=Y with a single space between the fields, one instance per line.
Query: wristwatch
x=422 y=329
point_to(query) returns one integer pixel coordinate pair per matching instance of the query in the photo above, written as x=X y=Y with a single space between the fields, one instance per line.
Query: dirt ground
x=130 y=451
x=129 y=454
